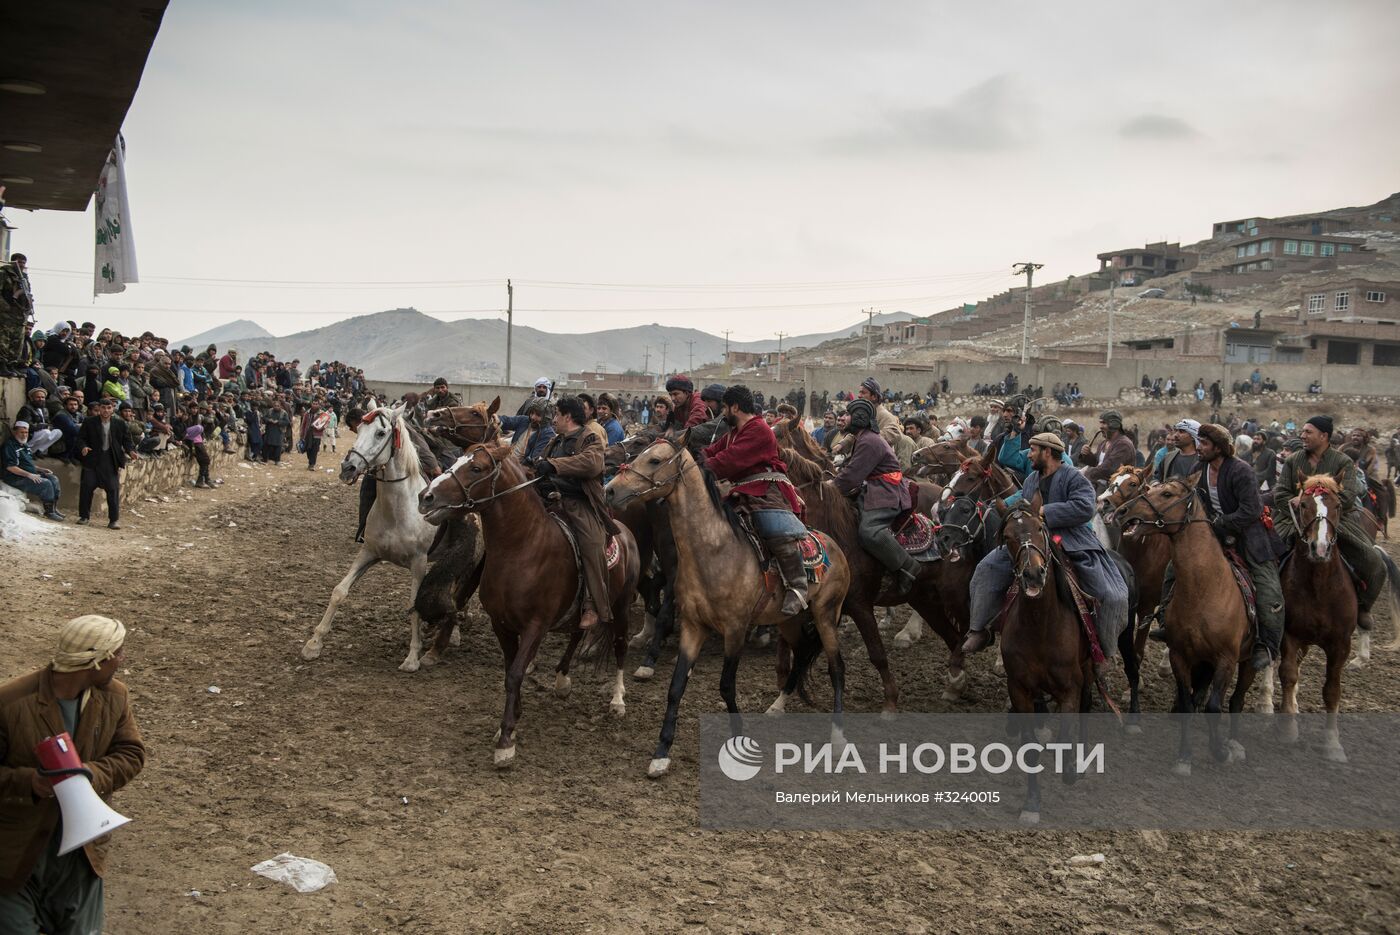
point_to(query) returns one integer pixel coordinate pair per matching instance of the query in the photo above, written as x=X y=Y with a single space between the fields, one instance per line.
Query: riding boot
x=589 y=618
x=977 y=640
x=789 y=561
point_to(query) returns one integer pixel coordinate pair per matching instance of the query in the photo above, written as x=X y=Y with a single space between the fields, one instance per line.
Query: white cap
x=21 y=424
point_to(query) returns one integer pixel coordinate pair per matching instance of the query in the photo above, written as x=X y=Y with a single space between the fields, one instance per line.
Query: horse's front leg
x=515 y=675
x=415 y=622
x=364 y=560
x=692 y=639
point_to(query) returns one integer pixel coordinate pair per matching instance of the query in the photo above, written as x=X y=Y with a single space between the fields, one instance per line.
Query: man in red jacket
x=747 y=457
x=689 y=409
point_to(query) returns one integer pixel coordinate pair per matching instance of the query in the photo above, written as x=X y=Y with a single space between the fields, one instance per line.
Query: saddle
x=815 y=561
x=916 y=536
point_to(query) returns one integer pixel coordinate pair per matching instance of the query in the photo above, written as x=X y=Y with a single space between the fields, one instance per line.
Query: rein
x=651 y=482
x=1160 y=520
x=470 y=503
x=380 y=473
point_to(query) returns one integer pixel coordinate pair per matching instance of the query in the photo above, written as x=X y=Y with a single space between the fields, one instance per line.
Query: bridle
x=1317 y=517
x=652 y=483
x=1160 y=520
x=379 y=473
x=490 y=427
x=1025 y=547
x=471 y=503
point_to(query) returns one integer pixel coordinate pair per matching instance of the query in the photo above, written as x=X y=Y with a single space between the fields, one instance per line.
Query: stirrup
x=791 y=595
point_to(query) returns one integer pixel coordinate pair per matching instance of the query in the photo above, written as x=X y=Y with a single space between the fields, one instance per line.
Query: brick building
x=1283 y=249
x=1136 y=264
x=1351 y=300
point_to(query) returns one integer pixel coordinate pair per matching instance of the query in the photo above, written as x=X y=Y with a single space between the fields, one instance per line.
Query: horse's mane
x=1326 y=481
x=805 y=471
x=801 y=440
x=802 y=469
x=721 y=504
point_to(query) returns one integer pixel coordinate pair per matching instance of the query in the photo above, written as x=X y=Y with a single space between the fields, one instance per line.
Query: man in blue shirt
x=607 y=418
x=17 y=463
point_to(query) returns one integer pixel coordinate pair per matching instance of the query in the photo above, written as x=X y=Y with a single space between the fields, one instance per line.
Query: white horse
x=395 y=531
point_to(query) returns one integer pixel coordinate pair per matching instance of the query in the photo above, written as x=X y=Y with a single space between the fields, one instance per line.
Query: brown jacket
x=107 y=739
x=579 y=457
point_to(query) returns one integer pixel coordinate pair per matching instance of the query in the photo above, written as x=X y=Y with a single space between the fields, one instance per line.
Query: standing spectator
x=194 y=438
x=313 y=427
x=276 y=425
x=607 y=418
x=77 y=692
x=17 y=462
x=105 y=445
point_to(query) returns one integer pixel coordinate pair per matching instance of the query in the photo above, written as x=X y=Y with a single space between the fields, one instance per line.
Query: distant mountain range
x=405 y=344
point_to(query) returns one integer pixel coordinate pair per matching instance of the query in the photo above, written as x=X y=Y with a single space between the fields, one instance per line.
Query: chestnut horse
x=1319 y=606
x=1208 y=632
x=531 y=582
x=941 y=460
x=465 y=425
x=1147 y=555
x=720 y=587
x=1044 y=646
x=838 y=517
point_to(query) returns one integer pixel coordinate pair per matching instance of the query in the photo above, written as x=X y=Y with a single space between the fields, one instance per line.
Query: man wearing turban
x=78 y=692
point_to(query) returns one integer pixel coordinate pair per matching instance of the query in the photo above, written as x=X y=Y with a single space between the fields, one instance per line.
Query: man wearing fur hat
x=872 y=474
x=1117 y=448
x=690 y=410
x=1319 y=457
x=77 y=692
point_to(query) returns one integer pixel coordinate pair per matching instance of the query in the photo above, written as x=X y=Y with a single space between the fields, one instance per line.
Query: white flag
x=115 y=264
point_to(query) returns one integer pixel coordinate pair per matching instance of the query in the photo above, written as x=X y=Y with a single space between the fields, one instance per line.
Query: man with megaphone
x=67 y=742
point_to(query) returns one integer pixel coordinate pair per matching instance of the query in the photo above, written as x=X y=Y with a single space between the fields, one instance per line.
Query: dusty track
x=318 y=758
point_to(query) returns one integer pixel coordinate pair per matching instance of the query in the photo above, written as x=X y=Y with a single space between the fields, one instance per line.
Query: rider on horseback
x=1319 y=457
x=747 y=457
x=573 y=463
x=1230 y=496
x=872 y=473
x=1069 y=503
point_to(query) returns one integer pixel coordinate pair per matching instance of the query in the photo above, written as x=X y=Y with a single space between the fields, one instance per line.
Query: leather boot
x=789 y=561
x=589 y=619
x=977 y=640
x=1363 y=620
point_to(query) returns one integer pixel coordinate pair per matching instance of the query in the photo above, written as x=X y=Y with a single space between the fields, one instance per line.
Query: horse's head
x=466 y=425
x=625 y=451
x=379 y=435
x=1125 y=484
x=470 y=481
x=961 y=522
x=652 y=475
x=1027 y=542
x=1163 y=508
x=1318 y=514
x=941 y=459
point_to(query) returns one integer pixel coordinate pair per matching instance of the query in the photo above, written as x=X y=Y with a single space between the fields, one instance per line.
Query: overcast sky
x=904 y=154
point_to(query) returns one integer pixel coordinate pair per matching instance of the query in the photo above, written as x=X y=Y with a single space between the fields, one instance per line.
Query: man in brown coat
x=573 y=464
x=78 y=693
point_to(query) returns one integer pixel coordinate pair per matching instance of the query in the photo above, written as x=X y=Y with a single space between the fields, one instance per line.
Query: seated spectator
x=113 y=387
x=20 y=472
x=35 y=414
x=68 y=420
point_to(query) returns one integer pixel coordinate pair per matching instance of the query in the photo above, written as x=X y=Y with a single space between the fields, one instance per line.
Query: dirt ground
x=387 y=777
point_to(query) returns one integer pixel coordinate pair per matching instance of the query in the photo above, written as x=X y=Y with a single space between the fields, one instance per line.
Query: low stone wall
x=147 y=476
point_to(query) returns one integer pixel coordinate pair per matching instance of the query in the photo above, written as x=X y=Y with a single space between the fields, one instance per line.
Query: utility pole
x=1029 y=270
x=1112 y=285
x=781 y=335
x=727 y=368
x=664 y=345
x=646 y=360
x=690 y=345
x=869 y=331
x=510 y=324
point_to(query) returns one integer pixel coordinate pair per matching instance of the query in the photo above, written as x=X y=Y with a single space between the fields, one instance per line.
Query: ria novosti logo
x=740 y=758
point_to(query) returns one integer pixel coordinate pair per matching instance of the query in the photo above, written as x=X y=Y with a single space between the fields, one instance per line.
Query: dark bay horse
x=1208 y=634
x=720 y=587
x=1044 y=646
x=1319 y=606
x=1148 y=555
x=530 y=583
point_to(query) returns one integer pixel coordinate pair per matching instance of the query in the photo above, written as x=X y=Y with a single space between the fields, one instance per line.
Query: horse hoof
x=1335 y=754
x=1235 y=751
x=409 y=665
x=1265 y=706
x=429 y=659
x=838 y=738
x=504 y=757
x=456 y=638
x=659 y=767
x=1030 y=818
x=311 y=651
x=902 y=642
x=562 y=685
x=644 y=673
x=530 y=669
x=617 y=708
x=889 y=714
x=1289 y=733
x=778 y=707
x=1182 y=768
x=999 y=667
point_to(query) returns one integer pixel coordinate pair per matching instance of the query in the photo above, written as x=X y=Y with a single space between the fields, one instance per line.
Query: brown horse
x=838 y=517
x=1149 y=555
x=1208 y=632
x=791 y=433
x=1044 y=646
x=720 y=587
x=531 y=582
x=1319 y=606
x=941 y=460
x=466 y=425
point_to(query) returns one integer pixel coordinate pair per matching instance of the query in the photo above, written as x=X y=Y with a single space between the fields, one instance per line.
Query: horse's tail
x=808 y=648
x=1392 y=574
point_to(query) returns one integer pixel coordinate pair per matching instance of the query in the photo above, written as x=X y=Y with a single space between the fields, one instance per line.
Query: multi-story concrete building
x=1136 y=264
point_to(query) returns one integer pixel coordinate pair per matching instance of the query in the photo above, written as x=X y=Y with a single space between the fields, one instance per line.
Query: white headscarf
x=86 y=642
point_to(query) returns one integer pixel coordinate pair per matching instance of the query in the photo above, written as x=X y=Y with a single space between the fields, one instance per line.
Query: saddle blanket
x=915 y=536
x=613 y=552
x=1245 y=584
x=815 y=562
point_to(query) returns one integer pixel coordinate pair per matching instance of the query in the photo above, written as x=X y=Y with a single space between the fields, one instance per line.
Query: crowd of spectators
x=167 y=401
